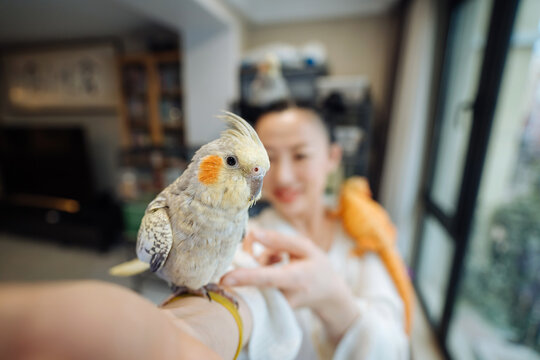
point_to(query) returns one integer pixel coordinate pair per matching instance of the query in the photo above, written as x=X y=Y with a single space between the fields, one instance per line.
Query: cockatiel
x=190 y=231
x=370 y=226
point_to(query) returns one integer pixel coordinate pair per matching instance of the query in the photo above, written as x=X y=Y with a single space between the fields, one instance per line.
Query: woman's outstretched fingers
x=269 y=257
x=268 y=276
x=249 y=239
x=294 y=245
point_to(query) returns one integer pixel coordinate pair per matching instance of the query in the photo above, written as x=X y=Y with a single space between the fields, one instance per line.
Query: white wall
x=210 y=84
x=409 y=122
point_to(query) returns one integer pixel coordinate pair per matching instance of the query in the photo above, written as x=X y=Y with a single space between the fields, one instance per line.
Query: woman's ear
x=335 y=155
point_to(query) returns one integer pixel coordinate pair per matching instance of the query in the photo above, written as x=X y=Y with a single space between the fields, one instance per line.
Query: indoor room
x=354 y=179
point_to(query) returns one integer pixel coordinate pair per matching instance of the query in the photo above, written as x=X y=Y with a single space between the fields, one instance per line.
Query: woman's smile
x=286 y=194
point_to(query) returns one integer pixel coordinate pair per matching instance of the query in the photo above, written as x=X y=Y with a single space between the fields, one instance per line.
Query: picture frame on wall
x=62 y=79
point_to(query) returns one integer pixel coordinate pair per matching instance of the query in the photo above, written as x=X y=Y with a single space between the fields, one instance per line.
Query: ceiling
x=37 y=20
x=262 y=12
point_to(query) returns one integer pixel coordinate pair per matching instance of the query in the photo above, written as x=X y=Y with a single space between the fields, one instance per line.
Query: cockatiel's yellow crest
x=190 y=231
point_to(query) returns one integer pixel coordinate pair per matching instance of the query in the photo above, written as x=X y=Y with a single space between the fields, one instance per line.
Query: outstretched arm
x=95 y=320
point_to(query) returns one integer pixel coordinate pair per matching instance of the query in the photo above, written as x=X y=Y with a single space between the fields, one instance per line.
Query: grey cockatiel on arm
x=190 y=231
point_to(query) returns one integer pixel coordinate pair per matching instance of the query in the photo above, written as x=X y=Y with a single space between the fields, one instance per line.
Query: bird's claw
x=217 y=289
x=202 y=292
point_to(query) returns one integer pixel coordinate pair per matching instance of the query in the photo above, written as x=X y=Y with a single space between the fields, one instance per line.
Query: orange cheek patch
x=209 y=169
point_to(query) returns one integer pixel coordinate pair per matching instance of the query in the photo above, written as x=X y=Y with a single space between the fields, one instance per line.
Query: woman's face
x=301 y=159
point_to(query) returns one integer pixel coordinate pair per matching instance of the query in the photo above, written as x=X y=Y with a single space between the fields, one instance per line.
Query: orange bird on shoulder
x=371 y=228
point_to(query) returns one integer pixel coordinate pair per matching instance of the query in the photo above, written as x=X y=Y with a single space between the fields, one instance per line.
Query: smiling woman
x=345 y=306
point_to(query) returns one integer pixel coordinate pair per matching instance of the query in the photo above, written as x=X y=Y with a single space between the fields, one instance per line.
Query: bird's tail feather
x=129 y=268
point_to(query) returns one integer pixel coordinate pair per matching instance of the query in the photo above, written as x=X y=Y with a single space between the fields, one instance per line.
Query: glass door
x=465 y=51
x=497 y=309
x=477 y=44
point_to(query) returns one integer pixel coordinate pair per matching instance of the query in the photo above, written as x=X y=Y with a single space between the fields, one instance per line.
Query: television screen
x=47 y=161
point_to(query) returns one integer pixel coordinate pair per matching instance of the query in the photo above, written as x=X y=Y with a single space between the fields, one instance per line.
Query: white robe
x=279 y=332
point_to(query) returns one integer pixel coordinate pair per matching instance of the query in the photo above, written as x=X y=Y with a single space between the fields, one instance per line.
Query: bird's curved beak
x=255 y=185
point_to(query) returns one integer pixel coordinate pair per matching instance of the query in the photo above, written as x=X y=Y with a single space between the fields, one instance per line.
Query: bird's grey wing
x=155 y=237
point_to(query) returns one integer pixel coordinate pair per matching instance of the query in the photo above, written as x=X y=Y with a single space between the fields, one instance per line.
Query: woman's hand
x=308 y=280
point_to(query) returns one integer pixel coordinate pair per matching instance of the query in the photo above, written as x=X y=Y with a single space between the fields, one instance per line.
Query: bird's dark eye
x=231 y=160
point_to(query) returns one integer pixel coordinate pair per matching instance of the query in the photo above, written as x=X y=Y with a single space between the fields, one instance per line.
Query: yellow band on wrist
x=227 y=304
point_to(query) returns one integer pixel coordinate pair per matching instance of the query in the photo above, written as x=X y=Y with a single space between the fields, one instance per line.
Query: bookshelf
x=151 y=100
x=152 y=130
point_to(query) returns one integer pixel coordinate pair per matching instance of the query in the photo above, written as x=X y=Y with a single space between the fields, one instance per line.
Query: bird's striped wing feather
x=155 y=239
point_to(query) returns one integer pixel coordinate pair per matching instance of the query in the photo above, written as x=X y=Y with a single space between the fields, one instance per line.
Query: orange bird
x=369 y=225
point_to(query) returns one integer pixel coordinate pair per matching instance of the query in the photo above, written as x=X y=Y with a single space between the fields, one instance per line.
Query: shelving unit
x=151 y=100
x=153 y=152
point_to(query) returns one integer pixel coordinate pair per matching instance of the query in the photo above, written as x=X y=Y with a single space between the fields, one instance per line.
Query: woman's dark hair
x=283 y=105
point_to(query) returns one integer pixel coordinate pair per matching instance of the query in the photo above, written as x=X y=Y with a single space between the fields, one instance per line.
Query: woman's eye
x=300 y=156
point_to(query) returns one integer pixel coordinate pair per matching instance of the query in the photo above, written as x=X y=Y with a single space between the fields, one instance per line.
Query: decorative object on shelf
x=269 y=85
x=62 y=79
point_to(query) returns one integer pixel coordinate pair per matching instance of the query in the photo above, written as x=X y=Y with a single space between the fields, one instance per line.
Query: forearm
x=91 y=320
x=211 y=323
x=86 y=320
